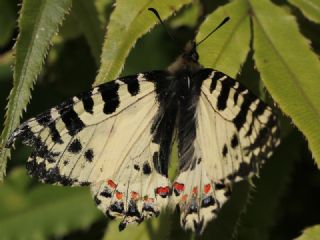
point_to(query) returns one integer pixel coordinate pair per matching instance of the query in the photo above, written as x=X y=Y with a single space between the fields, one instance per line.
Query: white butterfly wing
x=234 y=133
x=103 y=138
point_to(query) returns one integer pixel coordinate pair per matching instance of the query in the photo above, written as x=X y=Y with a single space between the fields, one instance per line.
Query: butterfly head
x=190 y=53
x=188 y=61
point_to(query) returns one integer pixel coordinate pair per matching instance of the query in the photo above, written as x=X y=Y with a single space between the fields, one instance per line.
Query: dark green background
x=286 y=197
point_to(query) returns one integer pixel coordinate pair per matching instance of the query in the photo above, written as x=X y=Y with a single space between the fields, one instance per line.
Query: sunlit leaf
x=188 y=17
x=288 y=68
x=104 y=8
x=227 y=49
x=310 y=8
x=128 y=22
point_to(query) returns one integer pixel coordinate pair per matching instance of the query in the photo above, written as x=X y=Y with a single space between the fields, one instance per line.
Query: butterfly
x=117 y=138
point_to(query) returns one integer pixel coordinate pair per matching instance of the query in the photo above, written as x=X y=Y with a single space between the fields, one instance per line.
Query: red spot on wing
x=119 y=195
x=134 y=195
x=207 y=188
x=178 y=186
x=149 y=200
x=184 y=198
x=111 y=184
x=163 y=191
x=195 y=190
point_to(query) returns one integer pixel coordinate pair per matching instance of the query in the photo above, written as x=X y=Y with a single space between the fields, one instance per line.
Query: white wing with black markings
x=234 y=133
x=105 y=138
x=117 y=138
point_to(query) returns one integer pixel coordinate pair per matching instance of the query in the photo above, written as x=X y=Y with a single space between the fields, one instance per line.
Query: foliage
x=37 y=24
x=34 y=208
x=311 y=233
x=128 y=22
x=61 y=43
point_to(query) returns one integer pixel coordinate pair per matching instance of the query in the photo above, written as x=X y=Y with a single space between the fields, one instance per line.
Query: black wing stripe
x=109 y=94
x=87 y=101
x=132 y=85
x=216 y=76
x=70 y=118
x=235 y=97
x=213 y=85
x=226 y=85
x=241 y=117
x=46 y=120
x=260 y=109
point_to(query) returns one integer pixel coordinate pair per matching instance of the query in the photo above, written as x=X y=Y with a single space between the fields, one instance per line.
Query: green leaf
x=104 y=9
x=288 y=68
x=188 y=17
x=226 y=50
x=153 y=229
x=310 y=8
x=43 y=211
x=128 y=22
x=88 y=21
x=84 y=19
x=7 y=20
x=70 y=30
x=157 y=39
x=38 y=22
x=311 y=233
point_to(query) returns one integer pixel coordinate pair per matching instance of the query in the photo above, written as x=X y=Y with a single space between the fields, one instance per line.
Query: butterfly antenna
x=155 y=12
x=209 y=34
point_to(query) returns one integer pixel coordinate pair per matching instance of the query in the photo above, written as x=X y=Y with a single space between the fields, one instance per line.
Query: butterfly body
x=117 y=138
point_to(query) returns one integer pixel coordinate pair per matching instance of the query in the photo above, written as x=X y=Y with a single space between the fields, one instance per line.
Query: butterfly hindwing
x=111 y=138
x=231 y=134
